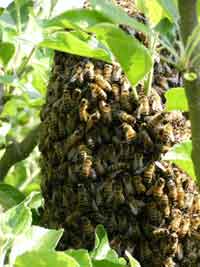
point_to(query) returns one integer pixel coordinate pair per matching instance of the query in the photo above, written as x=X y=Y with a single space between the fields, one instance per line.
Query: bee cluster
x=101 y=161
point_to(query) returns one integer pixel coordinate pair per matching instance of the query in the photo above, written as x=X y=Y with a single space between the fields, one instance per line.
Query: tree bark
x=18 y=151
x=188 y=22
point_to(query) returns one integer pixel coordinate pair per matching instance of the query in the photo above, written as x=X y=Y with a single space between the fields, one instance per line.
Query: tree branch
x=188 y=22
x=18 y=151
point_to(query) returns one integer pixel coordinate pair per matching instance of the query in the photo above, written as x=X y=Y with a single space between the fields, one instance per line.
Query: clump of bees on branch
x=101 y=162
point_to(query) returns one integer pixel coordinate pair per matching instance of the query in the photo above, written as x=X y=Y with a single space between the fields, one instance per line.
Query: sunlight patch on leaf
x=176 y=99
x=180 y=154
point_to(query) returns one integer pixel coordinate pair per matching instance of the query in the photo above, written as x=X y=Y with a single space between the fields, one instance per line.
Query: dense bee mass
x=101 y=162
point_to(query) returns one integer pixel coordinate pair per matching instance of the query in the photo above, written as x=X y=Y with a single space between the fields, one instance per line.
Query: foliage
x=22 y=242
x=29 y=32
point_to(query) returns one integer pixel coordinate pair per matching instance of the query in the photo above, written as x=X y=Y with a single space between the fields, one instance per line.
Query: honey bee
x=116 y=91
x=172 y=245
x=117 y=166
x=73 y=139
x=89 y=70
x=169 y=262
x=166 y=133
x=97 y=91
x=125 y=97
x=73 y=217
x=157 y=189
x=130 y=133
x=99 y=167
x=160 y=232
x=93 y=119
x=117 y=72
x=76 y=241
x=154 y=120
x=148 y=174
x=107 y=72
x=59 y=151
x=134 y=230
x=83 y=200
x=105 y=111
x=84 y=151
x=176 y=217
x=180 y=196
x=86 y=167
x=145 y=140
x=78 y=75
x=125 y=117
x=76 y=95
x=184 y=227
x=135 y=205
x=172 y=190
x=155 y=216
x=98 y=71
x=88 y=228
x=144 y=108
x=105 y=85
x=90 y=142
x=195 y=222
x=196 y=204
x=145 y=251
x=138 y=164
x=61 y=129
x=107 y=187
x=67 y=101
x=195 y=235
x=164 y=203
x=156 y=101
x=139 y=186
x=179 y=252
x=83 y=114
x=127 y=183
x=112 y=224
x=118 y=195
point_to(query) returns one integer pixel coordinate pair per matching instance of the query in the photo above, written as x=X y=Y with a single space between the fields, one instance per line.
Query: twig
x=18 y=151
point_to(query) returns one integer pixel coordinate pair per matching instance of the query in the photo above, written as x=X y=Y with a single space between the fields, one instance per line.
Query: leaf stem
x=153 y=43
x=22 y=68
x=188 y=23
x=18 y=16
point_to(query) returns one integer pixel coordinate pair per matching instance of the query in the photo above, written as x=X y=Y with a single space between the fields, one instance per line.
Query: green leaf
x=34 y=200
x=81 y=256
x=18 y=175
x=81 y=18
x=36 y=238
x=106 y=263
x=151 y=9
x=11 y=107
x=117 y=15
x=170 y=8
x=134 y=58
x=24 y=10
x=8 y=79
x=190 y=76
x=69 y=42
x=176 y=99
x=9 y=196
x=45 y=258
x=101 y=247
x=133 y=262
x=180 y=154
x=16 y=220
x=7 y=50
x=33 y=33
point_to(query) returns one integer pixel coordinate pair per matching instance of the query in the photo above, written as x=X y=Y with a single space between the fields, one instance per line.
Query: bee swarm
x=101 y=162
